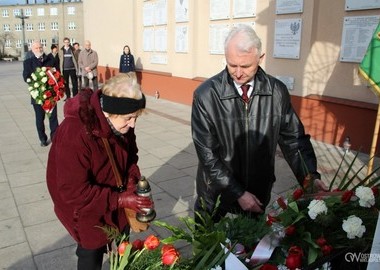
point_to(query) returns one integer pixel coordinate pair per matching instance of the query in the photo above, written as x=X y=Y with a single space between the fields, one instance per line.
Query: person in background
x=53 y=57
x=69 y=68
x=127 y=61
x=88 y=63
x=40 y=59
x=239 y=116
x=76 y=56
x=80 y=177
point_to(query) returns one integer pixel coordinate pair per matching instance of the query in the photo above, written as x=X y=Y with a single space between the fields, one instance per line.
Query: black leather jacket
x=236 y=142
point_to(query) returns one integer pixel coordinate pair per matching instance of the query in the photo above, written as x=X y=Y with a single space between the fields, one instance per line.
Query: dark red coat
x=79 y=174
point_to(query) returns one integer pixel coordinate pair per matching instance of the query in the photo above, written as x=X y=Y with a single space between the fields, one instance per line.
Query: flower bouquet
x=148 y=254
x=46 y=86
x=155 y=254
x=317 y=228
x=305 y=230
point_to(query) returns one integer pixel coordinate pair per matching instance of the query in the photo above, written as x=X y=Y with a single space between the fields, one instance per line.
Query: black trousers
x=94 y=83
x=40 y=117
x=67 y=75
x=90 y=259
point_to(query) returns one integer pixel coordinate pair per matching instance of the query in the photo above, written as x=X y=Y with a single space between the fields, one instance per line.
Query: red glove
x=134 y=202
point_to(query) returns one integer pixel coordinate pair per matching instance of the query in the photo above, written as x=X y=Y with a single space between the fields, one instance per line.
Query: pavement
x=31 y=237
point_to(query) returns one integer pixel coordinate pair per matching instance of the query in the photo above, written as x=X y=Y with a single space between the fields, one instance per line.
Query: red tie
x=245 y=88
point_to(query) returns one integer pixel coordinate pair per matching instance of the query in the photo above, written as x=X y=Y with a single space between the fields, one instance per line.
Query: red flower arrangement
x=148 y=254
x=46 y=86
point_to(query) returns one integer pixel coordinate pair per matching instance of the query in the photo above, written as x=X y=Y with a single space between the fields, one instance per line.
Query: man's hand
x=319 y=185
x=249 y=202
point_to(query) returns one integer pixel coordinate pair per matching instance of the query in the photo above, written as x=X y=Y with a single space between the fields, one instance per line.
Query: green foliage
x=204 y=238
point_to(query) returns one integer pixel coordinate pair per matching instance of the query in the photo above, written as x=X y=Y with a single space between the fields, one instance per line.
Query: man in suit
x=40 y=59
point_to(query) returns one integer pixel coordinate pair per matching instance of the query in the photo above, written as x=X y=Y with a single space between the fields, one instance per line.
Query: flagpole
x=374 y=141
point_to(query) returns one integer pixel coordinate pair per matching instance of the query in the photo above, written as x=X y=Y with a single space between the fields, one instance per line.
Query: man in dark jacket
x=40 y=59
x=69 y=67
x=238 y=118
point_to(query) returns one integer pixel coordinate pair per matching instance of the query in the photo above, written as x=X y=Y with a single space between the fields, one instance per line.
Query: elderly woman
x=80 y=175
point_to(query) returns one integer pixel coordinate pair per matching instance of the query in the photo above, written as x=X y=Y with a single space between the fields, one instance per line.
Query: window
x=43 y=42
x=72 y=26
x=29 y=27
x=71 y=10
x=5 y=13
x=16 y=12
x=40 y=12
x=8 y=43
x=30 y=41
x=18 y=27
x=6 y=27
x=41 y=26
x=53 y=12
x=54 y=26
x=18 y=43
x=28 y=12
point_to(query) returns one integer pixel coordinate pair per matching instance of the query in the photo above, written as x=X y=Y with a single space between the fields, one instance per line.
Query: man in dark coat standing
x=40 y=59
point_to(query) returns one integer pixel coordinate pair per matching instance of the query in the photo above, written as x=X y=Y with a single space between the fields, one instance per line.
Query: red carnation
x=51 y=81
x=326 y=249
x=48 y=105
x=290 y=230
x=297 y=194
x=321 y=241
x=375 y=190
x=294 y=259
x=346 y=197
x=282 y=203
x=47 y=93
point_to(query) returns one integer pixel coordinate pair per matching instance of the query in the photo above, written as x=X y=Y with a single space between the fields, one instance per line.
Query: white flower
x=34 y=94
x=42 y=73
x=316 y=207
x=326 y=266
x=365 y=195
x=36 y=85
x=28 y=80
x=217 y=267
x=30 y=88
x=43 y=68
x=34 y=77
x=353 y=227
x=44 y=79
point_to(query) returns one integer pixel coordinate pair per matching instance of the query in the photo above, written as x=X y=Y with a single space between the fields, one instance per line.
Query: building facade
x=177 y=44
x=48 y=22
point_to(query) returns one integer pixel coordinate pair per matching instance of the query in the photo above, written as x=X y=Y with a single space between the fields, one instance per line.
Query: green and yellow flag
x=369 y=68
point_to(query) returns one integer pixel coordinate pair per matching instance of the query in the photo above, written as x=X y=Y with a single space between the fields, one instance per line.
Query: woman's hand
x=134 y=202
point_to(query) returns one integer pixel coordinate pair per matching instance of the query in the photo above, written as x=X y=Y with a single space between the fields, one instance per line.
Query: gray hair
x=249 y=38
